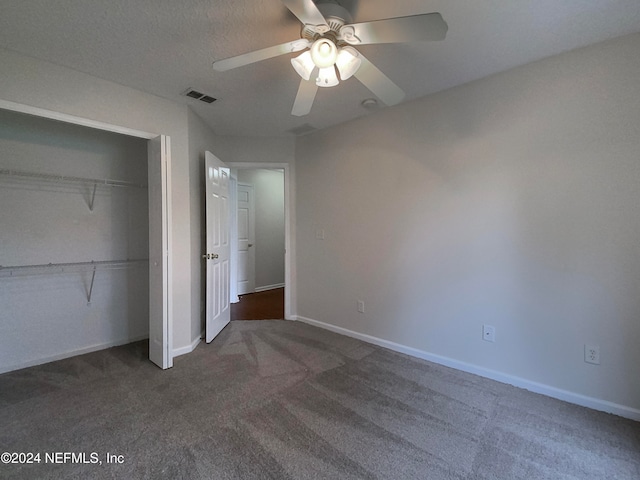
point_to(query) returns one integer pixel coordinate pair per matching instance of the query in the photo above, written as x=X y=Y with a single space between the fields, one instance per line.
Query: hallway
x=267 y=305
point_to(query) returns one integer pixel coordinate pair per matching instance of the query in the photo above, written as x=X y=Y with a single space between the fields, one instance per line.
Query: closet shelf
x=93 y=266
x=69 y=179
x=19 y=270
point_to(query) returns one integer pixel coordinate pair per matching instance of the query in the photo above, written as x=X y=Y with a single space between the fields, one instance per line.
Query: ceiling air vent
x=190 y=92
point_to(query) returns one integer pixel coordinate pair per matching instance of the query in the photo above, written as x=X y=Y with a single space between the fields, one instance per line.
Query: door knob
x=251 y=244
x=214 y=256
x=210 y=256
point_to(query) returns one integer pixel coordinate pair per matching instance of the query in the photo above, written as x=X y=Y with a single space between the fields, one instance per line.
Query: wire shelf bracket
x=93 y=197
x=48 y=268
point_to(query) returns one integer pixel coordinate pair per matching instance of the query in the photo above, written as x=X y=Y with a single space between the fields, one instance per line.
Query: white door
x=218 y=313
x=159 y=266
x=246 y=240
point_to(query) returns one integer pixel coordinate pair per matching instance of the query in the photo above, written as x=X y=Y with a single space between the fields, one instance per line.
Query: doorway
x=271 y=294
x=260 y=244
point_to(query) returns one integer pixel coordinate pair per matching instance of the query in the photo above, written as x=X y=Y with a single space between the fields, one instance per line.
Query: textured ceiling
x=165 y=46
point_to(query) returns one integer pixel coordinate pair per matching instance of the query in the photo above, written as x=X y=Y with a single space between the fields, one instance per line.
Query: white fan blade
x=305 y=97
x=376 y=81
x=429 y=26
x=259 y=55
x=306 y=11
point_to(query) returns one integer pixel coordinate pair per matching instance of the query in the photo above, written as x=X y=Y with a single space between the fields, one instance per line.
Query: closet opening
x=74 y=230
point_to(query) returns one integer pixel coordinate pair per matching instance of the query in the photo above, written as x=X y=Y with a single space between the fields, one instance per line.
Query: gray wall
x=511 y=201
x=46 y=316
x=268 y=188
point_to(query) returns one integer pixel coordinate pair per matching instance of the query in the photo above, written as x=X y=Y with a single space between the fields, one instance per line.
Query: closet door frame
x=158 y=323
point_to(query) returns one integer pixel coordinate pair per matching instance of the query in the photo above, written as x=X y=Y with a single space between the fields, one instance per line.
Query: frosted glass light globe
x=324 y=53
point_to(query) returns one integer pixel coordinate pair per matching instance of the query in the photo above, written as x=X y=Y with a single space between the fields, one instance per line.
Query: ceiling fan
x=328 y=36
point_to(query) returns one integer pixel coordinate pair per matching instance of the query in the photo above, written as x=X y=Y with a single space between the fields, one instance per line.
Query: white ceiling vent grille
x=203 y=97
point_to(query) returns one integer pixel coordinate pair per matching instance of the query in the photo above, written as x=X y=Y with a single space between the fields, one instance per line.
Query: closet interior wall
x=59 y=311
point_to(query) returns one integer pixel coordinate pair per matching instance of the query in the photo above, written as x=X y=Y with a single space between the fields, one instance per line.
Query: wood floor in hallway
x=268 y=305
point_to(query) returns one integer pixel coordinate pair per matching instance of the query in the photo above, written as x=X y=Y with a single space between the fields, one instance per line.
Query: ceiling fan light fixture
x=303 y=65
x=324 y=53
x=348 y=62
x=327 y=77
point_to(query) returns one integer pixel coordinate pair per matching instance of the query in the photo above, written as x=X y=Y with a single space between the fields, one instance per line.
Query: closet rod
x=69 y=179
x=8 y=271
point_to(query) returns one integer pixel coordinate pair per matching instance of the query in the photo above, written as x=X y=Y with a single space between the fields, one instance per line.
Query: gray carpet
x=285 y=400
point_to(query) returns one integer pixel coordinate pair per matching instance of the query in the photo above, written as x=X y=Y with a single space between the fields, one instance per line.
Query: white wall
x=268 y=188
x=255 y=149
x=47 y=316
x=511 y=201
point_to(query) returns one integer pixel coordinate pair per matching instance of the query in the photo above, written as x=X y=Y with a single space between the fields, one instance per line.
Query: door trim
x=289 y=229
x=165 y=322
x=65 y=117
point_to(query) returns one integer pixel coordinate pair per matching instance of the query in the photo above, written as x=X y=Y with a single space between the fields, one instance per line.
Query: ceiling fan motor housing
x=336 y=16
x=330 y=48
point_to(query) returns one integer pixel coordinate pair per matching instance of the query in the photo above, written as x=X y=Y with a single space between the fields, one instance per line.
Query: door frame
x=167 y=317
x=289 y=229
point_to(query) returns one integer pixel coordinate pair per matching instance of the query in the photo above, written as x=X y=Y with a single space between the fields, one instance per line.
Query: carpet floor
x=285 y=400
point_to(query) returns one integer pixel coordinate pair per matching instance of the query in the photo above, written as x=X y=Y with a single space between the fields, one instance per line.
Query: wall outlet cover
x=489 y=333
x=592 y=354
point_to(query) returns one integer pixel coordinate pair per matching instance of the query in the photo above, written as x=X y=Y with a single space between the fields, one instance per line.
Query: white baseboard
x=565 y=395
x=268 y=287
x=187 y=349
x=72 y=353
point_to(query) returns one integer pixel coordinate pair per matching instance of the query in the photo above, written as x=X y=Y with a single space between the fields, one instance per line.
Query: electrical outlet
x=489 y=333
x=320 y=233
x=592 y=354
x=360 y=306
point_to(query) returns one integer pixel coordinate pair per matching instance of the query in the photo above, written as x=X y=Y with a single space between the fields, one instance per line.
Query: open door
x=159 y=265
x=218 y=313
